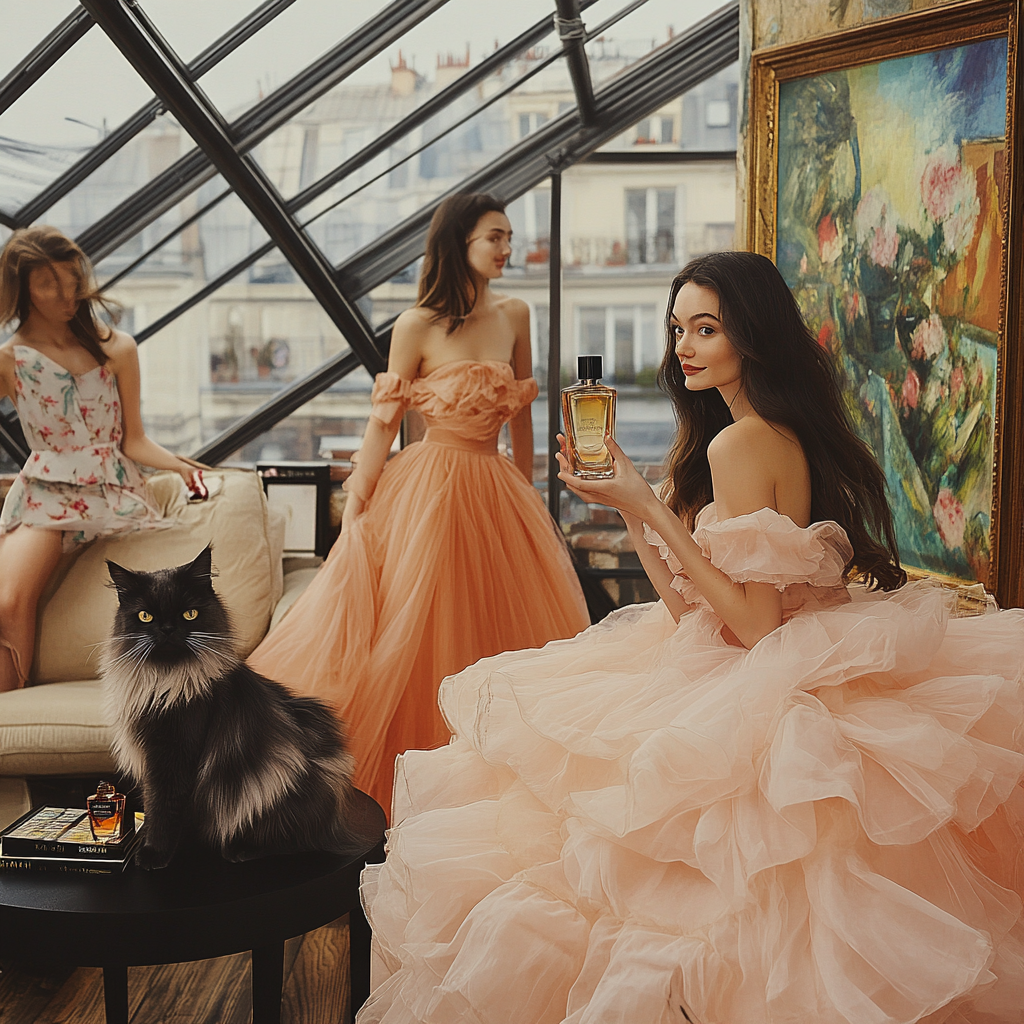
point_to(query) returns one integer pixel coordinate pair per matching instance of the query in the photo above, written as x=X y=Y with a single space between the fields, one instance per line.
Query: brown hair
x=29 y=249
x=790 y=380
x=446 y=282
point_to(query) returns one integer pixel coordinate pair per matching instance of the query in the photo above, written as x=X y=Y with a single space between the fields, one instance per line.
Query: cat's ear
x=201 y=567
x=123 y=579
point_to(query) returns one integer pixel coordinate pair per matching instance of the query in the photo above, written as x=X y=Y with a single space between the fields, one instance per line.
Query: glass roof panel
x=150 y=153
x=427 y=163
x=431 y=56
x=203 y=250
x=637 y=34
x=192 y=25
x=26 y=25
x=76 y=104
x=279 y=51
x=228 y=355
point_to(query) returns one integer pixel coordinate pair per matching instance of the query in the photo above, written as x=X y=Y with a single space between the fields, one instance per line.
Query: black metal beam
x=554 y=342
x=191 y=170
x=42 y=57
x=573 y=35
x=143 y=117
x=381 y=144
x=660 y=156
x=194 y=113
x=684 y=62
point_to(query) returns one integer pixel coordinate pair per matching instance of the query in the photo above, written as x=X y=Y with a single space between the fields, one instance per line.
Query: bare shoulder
x=751 y=439
x=120 y=347
x=415 y=318
x=515 y=309
x=7 y=368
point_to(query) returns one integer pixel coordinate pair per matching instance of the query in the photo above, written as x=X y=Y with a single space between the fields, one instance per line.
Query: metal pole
x=554 y=342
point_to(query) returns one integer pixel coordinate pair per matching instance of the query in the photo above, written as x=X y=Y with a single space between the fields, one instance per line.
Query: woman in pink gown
x=771 y=797
x=446 y=554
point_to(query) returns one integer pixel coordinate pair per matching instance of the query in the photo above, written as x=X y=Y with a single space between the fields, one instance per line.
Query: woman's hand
x=626 y=491
x=193 y=477
x=354 y=506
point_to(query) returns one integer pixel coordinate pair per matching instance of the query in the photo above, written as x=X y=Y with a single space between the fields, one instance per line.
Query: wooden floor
x=207 y=992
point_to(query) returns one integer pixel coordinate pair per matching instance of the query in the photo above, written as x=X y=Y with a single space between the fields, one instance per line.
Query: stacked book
x=60 y=839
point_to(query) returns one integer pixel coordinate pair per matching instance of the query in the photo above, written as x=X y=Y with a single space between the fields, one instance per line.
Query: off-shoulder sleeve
x=764 y=547
x=390 y=397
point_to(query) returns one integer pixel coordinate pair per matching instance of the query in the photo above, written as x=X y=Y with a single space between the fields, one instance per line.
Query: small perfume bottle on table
x=588 y=412
x=106 y=813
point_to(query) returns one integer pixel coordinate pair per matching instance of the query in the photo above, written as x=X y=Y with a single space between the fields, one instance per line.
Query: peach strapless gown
x=825 y=829
x=454 y=559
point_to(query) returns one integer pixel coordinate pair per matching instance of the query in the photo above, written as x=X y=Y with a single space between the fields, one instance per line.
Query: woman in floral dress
x=75 y=384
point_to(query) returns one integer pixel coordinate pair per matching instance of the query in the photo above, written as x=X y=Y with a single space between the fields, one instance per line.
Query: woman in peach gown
x=769 y=798
x=447 y=553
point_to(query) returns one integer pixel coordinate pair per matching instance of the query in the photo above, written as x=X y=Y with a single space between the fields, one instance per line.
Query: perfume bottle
x=588 y=412
x=106 y=813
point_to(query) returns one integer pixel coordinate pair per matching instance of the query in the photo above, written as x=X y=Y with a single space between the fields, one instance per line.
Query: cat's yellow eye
x=145 y=617
x=190 y=614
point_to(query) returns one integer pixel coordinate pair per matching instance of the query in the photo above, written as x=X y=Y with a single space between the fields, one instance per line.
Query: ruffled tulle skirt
x=455 y=559
x=644 y=822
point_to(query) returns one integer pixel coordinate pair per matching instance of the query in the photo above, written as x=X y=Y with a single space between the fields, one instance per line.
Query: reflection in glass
x=150 y=153
x=227 y=356
x=76 y=104
x=393 y=84
x=437 y=159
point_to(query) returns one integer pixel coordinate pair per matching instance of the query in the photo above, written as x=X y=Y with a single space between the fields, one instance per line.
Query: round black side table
x=198 y=908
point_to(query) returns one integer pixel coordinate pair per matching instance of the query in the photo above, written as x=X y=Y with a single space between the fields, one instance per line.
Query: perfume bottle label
x=103 y=808
x=590 y=421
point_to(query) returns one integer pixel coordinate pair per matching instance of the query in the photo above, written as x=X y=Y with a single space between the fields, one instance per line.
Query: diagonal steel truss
x=679 y=65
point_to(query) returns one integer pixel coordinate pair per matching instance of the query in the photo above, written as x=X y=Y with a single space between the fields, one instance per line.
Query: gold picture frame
x=883 y=188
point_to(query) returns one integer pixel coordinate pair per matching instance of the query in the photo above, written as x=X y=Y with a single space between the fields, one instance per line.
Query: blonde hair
x=29 y=249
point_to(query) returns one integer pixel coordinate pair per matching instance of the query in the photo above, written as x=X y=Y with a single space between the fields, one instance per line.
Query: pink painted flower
x=830 y=244
x=81 y=505
x=956 y=381
x=950 y=195
x=939 y=185
x=885 y=246
x=949 y=518
x=929 y=338
x=803 y=264
x=911 y=390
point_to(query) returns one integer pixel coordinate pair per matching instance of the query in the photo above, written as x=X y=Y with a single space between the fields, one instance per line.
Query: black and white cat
x=225 y=757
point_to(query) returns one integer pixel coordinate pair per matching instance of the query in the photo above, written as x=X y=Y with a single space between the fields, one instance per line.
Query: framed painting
x=883 y=165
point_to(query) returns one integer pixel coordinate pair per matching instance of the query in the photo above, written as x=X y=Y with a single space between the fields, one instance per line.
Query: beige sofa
x=55 y=726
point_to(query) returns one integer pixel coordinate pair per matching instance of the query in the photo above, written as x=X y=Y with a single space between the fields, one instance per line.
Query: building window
x=667 y=130
x=718 y=114
x=531 y=122
x=650 y=225
x=627 y=336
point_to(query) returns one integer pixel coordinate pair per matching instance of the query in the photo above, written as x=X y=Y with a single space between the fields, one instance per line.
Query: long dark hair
x=446 y=282
x=30 y=248
x=789 y=380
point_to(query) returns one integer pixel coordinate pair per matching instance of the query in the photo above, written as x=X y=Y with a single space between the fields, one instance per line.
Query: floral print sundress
x=76 y=478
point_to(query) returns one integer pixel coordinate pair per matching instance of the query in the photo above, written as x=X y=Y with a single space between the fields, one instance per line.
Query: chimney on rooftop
x=403 y=78
x=449 y=68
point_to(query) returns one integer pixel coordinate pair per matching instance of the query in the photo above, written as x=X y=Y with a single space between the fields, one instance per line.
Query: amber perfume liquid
x=588 y=413
x=106 y=813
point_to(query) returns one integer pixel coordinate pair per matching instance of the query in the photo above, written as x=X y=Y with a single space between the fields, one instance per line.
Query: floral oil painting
x=891 y=179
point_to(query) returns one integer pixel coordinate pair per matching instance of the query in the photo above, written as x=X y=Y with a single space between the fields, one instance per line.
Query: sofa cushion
x=246 y=557
x=56 y=729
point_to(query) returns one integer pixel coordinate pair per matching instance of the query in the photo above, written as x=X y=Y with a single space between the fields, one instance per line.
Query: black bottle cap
x=590 y=367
